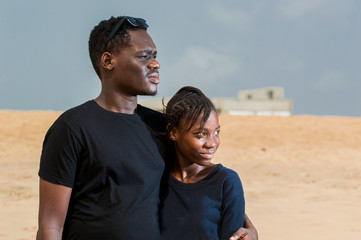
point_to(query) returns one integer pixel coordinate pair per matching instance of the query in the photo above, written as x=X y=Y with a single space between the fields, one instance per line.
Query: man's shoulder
x=152 y=118
x=145 y=111
x=78 y=113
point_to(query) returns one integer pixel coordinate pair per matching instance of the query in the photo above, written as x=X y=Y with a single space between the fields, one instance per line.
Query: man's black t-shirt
x=112 y=163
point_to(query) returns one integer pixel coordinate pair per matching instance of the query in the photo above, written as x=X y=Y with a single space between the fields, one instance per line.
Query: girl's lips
x=207 y=155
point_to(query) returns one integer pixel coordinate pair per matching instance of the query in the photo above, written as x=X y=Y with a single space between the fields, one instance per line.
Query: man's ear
x=107 y=61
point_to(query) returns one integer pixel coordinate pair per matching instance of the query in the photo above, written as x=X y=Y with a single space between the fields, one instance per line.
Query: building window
x=270 y=94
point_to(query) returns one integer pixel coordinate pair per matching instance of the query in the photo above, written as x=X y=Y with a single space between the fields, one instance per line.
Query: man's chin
x=153 y=93
x=149 y=93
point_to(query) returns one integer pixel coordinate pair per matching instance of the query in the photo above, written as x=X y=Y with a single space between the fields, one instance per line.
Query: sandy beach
x=301 y=174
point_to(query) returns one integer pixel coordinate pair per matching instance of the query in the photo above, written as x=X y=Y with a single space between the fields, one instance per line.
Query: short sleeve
x=233 y=205
x=61 y=150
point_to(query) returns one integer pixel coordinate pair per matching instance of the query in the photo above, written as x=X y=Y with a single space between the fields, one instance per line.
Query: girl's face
x=197 y=145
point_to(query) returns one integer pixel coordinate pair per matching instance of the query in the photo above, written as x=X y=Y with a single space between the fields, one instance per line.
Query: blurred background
x=311 y=48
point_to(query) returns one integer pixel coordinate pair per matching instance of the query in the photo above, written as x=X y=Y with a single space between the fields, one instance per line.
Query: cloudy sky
x=312 y=48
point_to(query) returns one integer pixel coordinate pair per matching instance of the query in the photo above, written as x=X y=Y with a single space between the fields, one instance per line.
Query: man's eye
x=143 y=57
x=217 y=132
x=147 y=57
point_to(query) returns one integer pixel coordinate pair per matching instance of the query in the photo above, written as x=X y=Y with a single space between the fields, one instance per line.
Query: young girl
x=204 y=200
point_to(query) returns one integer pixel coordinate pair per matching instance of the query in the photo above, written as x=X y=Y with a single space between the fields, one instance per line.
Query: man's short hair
x=98 y=43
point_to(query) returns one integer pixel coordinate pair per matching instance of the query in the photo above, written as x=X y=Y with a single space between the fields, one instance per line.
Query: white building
x=268 y=101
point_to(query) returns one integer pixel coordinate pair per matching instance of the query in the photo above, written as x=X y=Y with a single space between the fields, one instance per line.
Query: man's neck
x=117 y=104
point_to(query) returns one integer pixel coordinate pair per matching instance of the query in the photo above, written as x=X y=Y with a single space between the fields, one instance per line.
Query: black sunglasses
x=133 y=21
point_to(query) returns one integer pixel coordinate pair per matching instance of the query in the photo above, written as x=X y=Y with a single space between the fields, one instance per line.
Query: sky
x=311 y=48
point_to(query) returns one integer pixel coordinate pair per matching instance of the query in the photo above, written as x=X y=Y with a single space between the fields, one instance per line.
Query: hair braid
x=188 y=103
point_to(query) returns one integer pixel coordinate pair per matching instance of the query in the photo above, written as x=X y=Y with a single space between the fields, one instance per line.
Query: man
x=101 y=166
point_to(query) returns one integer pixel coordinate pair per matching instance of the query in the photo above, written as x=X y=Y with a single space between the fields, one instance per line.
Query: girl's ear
x=173 y=134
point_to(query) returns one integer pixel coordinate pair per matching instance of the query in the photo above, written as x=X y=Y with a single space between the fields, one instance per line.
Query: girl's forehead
x=211 y=122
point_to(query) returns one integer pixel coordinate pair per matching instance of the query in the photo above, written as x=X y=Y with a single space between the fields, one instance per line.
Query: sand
x=301 y=174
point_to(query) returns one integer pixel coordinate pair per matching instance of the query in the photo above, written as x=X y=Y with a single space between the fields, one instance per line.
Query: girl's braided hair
x=189 y=103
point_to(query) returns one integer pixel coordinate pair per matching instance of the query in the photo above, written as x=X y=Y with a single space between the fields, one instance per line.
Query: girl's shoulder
x=226 y=172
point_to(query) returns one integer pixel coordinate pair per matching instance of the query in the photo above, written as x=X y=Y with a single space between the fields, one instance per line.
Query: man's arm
x=249 y=232
x=53 y=206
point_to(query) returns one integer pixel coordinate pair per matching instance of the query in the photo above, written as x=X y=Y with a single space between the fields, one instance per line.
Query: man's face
x=136 y=70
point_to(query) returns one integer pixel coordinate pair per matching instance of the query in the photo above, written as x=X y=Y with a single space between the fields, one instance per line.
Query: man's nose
x=153 y=64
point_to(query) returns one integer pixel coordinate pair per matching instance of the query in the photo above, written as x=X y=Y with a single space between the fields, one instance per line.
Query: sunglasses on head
x=133 y=21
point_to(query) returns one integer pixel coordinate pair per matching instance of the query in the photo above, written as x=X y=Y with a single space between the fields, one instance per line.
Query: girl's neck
x=191 y=173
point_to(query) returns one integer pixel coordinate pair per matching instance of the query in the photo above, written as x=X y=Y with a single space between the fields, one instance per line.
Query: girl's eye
x=217 y=132
x=202 y=134
x=198 y=134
